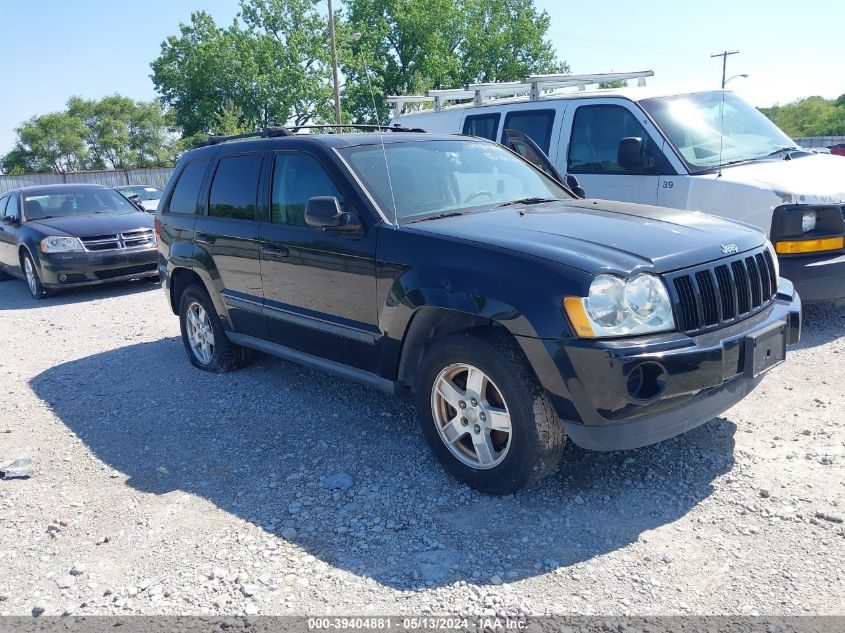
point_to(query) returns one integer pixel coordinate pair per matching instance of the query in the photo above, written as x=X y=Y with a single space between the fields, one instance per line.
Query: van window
x=536 y=124
x=234 y=190
x=187 y=189
x=296 y=178
x=483 y=125
x=596 y=133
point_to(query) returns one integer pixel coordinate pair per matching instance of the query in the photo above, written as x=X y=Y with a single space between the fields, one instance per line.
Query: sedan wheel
x=200 y=333
x=36 y=289
x=471 y=416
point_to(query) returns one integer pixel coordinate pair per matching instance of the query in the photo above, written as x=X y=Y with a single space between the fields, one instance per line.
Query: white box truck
x=706 y=151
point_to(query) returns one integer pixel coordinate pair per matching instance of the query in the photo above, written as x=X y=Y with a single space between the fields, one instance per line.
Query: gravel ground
x=160 y=489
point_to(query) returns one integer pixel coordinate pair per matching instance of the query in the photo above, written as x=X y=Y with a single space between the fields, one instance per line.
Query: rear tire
x=30 y=275
x=484 y=413
x=203 y=335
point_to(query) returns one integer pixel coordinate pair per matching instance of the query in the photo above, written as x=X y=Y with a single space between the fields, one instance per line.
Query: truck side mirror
x=630 y=154
x=572 y=183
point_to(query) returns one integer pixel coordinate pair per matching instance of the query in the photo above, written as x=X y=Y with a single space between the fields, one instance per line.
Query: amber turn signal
x=810 y=246
x=574 y=307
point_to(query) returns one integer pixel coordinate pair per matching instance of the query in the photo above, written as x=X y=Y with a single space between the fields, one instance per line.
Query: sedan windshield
x=434 y=178
x=68 y=202
x=708 y=131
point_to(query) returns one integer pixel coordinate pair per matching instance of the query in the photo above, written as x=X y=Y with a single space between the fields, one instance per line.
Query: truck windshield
x=432 y=178
x=695 y=125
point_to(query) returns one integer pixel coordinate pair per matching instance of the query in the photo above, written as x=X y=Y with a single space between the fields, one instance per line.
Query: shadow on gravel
x=259 y=443
x=822 y=323
x=14 y=295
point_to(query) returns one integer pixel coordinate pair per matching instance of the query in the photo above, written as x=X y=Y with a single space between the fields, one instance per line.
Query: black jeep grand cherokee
x=515 y=311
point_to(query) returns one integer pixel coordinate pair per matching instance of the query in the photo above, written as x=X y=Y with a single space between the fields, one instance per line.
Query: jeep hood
x=815 y=179
x=602 y=236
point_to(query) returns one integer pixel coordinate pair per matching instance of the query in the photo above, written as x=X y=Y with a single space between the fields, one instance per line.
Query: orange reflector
x=574 y=307
x=810 y=246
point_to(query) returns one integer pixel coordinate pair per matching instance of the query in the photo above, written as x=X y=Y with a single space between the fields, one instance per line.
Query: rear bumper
x=66 y=270
x=694 y=379
x=817 y=278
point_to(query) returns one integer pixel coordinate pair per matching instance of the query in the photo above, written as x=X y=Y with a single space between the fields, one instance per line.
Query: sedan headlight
x=621 y=307
x=56 y=244
x=808 y=221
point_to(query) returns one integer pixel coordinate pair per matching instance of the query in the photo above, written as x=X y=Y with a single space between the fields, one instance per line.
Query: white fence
x=113 y=178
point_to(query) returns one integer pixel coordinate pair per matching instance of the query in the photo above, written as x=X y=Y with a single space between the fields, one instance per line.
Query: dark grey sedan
x=60 y=236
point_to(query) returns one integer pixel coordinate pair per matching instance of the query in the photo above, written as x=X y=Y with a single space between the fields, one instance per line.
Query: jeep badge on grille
x=729 y=249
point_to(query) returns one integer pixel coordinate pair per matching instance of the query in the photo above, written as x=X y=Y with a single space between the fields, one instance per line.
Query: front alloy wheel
x=471 y=416
x=36 y=289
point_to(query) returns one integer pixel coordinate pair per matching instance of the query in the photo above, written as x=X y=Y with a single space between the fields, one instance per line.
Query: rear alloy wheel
x=484 y=413
x=36 y=289
x=205 y=341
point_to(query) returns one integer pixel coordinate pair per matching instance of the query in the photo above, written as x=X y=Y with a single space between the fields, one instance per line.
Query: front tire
x=30 y=275
x=205 y=341
x=484 y=413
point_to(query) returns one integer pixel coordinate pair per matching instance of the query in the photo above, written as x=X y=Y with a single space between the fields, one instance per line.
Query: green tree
x=410 y=46
x=110 y=133
x=813 y=116
x=271 y=65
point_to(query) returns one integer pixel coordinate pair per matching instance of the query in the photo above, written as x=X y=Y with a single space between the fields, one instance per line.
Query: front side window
x=535 y=124
x=415 y=179
x=596 y=133
x=12 y=209
x=186 y=193
x=483 y=125
x=296 y=178
x=234 y=190
x=3 y=202
x=709 y=129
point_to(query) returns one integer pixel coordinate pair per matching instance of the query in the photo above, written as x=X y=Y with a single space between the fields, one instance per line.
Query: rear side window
x=594 y=146
x=234 y=190
x=187 y=189
x=296 y=178
x=483 y=125
x=536 y=124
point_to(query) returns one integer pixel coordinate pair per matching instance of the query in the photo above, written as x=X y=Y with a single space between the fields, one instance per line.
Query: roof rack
x=291 y=130
x=533 y=86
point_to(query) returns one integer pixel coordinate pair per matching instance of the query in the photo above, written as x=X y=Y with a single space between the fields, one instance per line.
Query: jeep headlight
x=621 y=307
x=59 y=244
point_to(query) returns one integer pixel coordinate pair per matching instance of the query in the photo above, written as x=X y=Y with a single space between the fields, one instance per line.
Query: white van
x=663 y=148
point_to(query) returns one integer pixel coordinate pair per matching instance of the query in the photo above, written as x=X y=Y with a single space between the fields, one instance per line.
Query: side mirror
x=572 y=183
x=9 y=219
x=324 y=212
x=630 y=154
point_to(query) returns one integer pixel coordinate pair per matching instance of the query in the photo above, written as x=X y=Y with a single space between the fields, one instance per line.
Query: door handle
x=275 y=252
x=204 y=238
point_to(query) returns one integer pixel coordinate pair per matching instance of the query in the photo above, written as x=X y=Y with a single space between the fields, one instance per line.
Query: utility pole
x=724 y=57
x=334 y=66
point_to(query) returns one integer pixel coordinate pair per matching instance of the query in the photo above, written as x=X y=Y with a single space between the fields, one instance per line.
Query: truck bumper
x=67 y=270
x=816 y=278
x=636 y=392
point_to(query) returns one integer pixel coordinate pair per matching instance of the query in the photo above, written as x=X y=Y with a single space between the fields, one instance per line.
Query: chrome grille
x=713 y=295
x=141 y=238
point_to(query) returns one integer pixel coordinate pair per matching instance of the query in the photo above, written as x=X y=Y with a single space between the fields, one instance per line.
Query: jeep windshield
x=704 y=137
x=426 y=179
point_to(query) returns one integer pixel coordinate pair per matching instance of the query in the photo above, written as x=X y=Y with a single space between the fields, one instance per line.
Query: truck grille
x=141 y=238
x=717 y=294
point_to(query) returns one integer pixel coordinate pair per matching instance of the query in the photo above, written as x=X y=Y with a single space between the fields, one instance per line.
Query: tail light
x=157 y=227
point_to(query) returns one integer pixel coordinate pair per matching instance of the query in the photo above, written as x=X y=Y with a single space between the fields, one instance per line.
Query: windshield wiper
x=448 y=214
x=533 y=200
x=780 y=150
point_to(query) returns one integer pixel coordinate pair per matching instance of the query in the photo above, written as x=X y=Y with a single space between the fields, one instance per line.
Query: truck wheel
x=30 y=273
x=484 y=413
x=206 y=343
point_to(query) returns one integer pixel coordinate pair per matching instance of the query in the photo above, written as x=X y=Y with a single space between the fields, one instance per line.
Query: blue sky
x=53 y=49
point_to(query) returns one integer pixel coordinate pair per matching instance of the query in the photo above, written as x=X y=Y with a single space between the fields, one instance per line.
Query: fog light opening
x=646 y=381
x=62 y=277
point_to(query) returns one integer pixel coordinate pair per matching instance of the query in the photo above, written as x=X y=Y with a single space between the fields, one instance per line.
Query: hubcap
x=471 y=416
x=200 y=333
x=31 y=279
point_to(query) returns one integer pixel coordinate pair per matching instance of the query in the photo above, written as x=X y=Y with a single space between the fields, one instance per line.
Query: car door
x=596 y=127
x=319 y=285
x=228 y=232
x=9 y=229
